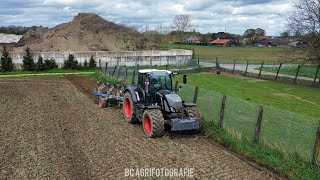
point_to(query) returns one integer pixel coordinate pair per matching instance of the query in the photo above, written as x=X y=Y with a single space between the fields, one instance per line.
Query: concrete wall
x=129 y=58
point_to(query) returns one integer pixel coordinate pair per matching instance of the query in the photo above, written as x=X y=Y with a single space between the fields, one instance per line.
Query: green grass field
x=299 y=99
x=255 y=54
x=306 y=71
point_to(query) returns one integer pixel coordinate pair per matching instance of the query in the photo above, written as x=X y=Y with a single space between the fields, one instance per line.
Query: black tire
x=153 y=123
x=129 y=109
x=193 y=113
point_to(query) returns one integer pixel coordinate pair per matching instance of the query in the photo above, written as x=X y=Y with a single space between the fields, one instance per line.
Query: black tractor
x=155 y=103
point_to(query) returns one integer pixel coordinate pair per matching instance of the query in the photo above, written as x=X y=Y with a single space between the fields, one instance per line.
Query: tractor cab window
x=160 y=81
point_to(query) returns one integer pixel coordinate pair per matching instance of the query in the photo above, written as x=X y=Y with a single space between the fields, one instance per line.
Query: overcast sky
x=208 y=15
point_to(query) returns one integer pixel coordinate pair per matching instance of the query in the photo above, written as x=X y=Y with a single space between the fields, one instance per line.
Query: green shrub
x=92 y=63
x=85 y=65
x=71 y=63
x=28 y=62
x=6 y=63
x=50 y=64
x=40 y=65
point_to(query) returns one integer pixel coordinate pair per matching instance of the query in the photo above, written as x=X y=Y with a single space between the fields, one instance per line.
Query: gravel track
x=50 y=130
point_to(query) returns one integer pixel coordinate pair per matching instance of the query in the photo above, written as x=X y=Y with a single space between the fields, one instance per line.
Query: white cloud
x=208 y=15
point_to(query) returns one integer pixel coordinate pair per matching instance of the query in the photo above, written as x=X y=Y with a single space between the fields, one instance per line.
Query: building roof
x=220 y=41
x=9 y=38
x=192 y=38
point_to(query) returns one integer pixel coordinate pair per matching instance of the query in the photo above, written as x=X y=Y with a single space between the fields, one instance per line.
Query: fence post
x=278 y=71
x=234 y=66
x=105 y=69
x=167 y=67
x=316 y=147
x=100 y=65
x=176 y=85
x=223 y=105
x=137 y=68
x=260 y=69
x=119 y=72
x=133 y=77
x=258 y=126
x=315 y=77
x=114 y=70
x=195 y=97
x=297 y=73
x=245 y=73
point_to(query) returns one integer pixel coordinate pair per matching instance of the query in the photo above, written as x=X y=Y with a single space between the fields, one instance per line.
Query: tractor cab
x=151 y=81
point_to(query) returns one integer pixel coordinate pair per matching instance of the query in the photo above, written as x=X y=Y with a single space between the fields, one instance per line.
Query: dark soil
x=50 y=130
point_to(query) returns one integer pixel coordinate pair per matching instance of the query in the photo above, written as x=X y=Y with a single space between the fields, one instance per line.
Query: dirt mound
x=86 y=32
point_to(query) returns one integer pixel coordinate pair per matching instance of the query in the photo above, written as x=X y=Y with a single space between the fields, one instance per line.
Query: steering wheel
x=157 y=86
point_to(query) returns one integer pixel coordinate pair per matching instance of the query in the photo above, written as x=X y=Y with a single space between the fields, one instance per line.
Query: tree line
x=29 y=64
x=18 y=30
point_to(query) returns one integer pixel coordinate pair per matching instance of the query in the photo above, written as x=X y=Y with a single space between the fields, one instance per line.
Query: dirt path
x=50 y=130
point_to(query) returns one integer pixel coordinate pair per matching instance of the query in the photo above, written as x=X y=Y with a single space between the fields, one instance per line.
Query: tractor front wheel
x=153 y=123
x=129 y=109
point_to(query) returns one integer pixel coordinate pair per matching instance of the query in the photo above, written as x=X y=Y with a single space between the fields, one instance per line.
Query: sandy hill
x=86 y=32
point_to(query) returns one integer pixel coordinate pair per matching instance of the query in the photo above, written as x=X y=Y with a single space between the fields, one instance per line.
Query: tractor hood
x=174 y=101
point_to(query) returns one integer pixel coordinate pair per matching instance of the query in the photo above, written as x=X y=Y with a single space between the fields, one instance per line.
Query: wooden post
x=316 y=75
x=119 y=72
x=100 y=65
x=176 y=85
x=234 y=66
x=223 y=105
x=258 y=126
x=316 y=147
x=260 y=69
x=133 y=77
x=114 y=70
x=137 y=67
x=167 y=67
x=245 y=73
x=278 y=71
x=105 y=69
x=196 y=93
x=297 y=73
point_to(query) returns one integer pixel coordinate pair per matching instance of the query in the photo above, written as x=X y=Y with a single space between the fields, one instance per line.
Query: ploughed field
x=51 y=128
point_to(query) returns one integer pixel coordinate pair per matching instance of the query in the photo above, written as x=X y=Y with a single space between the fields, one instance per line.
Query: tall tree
x=6 y=63
x=249 y=33
x=181 y=23
x=28 y=62
x=259 y=32
x=304 y=21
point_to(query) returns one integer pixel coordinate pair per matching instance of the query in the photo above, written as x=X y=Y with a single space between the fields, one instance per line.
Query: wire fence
x=283 y=72
x=128 y=74
x=287 y=131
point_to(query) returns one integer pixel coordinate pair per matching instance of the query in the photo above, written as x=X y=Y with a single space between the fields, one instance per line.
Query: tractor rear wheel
x=129 y=109
x=193 y=113
x=153 y=123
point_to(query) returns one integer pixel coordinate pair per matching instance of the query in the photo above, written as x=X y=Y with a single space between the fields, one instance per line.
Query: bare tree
x=304 y=21
x=180 y=24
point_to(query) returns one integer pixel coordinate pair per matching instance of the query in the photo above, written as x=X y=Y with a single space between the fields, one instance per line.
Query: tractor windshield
x=160 y=81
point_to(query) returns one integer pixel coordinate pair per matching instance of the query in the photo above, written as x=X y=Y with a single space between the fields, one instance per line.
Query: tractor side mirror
x=184 y=79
